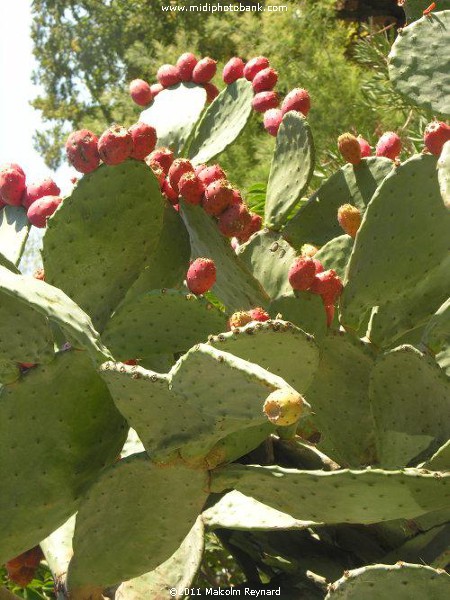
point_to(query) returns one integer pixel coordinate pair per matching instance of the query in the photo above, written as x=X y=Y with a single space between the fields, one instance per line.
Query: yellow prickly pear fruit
x=349 y=218
x=239 y=319
x=308 y=250
x=350 y=148
x=284 y=407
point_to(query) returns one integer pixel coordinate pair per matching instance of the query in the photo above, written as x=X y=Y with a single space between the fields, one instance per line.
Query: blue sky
x=18 y=120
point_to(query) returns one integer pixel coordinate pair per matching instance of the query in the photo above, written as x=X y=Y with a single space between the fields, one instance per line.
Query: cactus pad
x=174 y=113
x=369 y=496
x=14 y=230
x=58 y=428
x=291 y=170
x=304 y=309
x=402 y=270
x=418 y=67
x=103 y=235
x=133 y=506
x=409 y=396
x=336 y=254
x=222 y=122
x=444 y=174
x=316 y=222
x=179 y=321
x=403 y=580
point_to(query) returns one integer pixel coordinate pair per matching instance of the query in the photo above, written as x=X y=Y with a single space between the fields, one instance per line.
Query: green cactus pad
x=222 y=122
x=278 y=346
x=5 y=262
x=402 y=270
x=9 y=371
x=163 y=420
x=32 y=302
x=103 y=235
x=339 y=400
x=291 y=170
x=436 y=335
x=304 y=309
x=409 y=396
x=236 y=511
x=170 y=261
x=430 y=547
x=174 y=113
x=336 y=254
x=235 y=287
x=316 y=222
x=419 y=68
x=414 y=8
x=25 y=335
x=368 y=496
x=440 y=461
x=402 y=581
x=178 y=321
x=135 y=506
x=58 y=429
x=444 y=174
x=177 y=572
x=14 y=230
x=269 y=257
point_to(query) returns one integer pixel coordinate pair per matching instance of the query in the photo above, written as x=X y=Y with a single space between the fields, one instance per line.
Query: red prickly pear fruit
x=169 y=192
x=233 y=70
x=349 y=218
x=284 y=407
x=210 y=174
x=201 y=275
x=115 y=145
x=254 y=226
x=264 y=101
x=12 y=184
x=435 y=136
x=234 y=220
x=179 y=167
x=141 y=92
x=328 y=285
x=259 y=314
x=389 y=145
x=186 y=64
x=301 y=274
x=298 y=99
x=144 y=140
x=39 y=274
x=309 y=250
x=350 y=149
x=168 y=75
x=238 y=319
x=155 y=88
x=237 y=197
x=318 y=265
x=33 y=192
x=16 y=167
x=265 y=80
x=218 y=196
x=204 y=70
x=199 y=168
x=254 y=66
x=272 y=120
x=82 y=150
x=212 y=92
x=42 y=209
x=163 y=156
x=366 y=149
x=157 y=171
x=191 y=188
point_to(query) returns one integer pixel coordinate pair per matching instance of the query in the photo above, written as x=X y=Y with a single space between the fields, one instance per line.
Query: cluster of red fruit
x=187 y=68
x=205 y=186
x=40 y=200
x=308 y=274
x=22 y=568
x=116 y=144
x=264 y=78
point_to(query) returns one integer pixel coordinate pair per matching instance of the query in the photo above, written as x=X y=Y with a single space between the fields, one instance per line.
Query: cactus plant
x=112 y=343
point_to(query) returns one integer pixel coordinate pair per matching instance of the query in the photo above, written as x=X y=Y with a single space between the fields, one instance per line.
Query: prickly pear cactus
x=287 y=389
